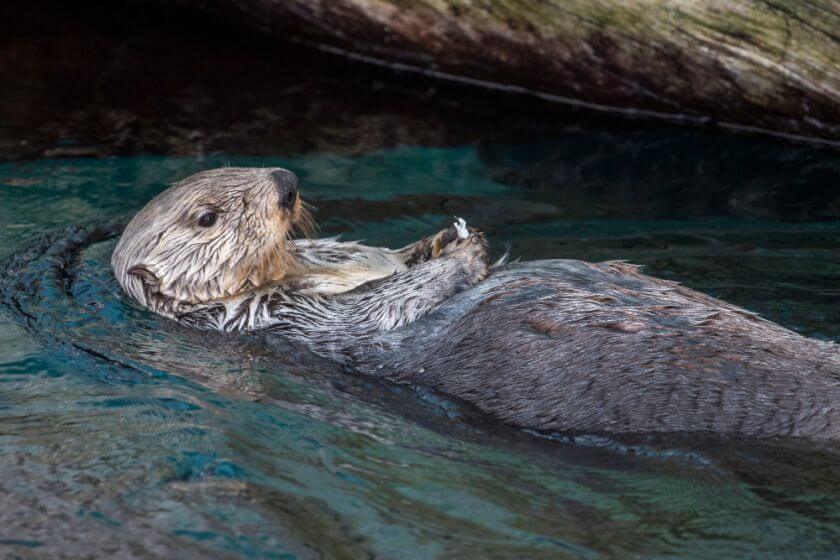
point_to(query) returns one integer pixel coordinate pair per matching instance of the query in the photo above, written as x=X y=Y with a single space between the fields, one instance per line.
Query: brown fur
x=164 y=251
x=552 y=345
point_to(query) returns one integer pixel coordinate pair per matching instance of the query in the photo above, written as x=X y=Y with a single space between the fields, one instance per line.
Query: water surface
x=124 y=435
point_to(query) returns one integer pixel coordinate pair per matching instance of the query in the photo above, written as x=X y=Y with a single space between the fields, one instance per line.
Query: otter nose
x=286 y=184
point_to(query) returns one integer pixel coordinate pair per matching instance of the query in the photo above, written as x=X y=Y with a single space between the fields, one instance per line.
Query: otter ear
x=145 y=275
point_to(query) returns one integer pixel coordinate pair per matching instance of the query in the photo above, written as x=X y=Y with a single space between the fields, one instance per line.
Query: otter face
x=215 y=234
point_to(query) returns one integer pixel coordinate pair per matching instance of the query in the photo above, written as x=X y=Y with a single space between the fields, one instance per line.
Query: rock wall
x=771 y=65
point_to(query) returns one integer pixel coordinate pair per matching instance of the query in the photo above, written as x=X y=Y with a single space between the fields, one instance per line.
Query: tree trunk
x=771 y=65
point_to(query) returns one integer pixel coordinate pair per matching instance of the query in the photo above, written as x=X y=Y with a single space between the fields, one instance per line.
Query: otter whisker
x=305 y=226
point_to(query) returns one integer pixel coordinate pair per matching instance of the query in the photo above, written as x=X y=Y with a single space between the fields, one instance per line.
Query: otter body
x=572 y=346
x=551 y=345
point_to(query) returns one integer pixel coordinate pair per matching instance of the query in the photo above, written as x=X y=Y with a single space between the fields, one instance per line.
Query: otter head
x=213 y=235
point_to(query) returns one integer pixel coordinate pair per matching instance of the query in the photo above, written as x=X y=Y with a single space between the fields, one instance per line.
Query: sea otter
x=556 y=345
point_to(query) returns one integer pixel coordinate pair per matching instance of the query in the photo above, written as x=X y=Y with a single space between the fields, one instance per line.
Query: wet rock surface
x=88 y=81
x=744 y=65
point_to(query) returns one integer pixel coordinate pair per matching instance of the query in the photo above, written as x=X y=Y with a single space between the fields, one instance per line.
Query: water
x=124 y=435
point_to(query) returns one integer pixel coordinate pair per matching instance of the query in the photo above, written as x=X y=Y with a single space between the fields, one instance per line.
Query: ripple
x=123 y=434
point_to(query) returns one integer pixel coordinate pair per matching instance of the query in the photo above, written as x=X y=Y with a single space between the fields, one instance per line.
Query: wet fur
x=549 y=345
x=579 y=347
x=247 y=248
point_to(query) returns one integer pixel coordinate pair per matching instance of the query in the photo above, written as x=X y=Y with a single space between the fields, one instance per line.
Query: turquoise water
x=124 y=435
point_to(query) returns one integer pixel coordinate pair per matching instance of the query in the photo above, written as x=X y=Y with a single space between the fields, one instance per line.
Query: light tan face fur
x=169 y=247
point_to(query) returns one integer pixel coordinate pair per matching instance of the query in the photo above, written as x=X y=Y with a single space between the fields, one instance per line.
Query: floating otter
x=557 y=345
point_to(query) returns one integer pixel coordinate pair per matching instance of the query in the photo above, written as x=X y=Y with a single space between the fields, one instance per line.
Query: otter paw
x=471 y=251
x=446 y=241
x=455 y=233
x=431 y=248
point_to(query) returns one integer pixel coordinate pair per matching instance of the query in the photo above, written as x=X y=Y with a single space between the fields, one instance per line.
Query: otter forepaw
x=452 y=235
x=431 y=247
x=471 y=250
x=457 y=241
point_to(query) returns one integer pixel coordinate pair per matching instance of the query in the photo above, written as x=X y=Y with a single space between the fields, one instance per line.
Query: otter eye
x=208 y=219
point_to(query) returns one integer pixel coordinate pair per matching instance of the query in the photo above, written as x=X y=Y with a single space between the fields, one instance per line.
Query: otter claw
x=461 y=227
